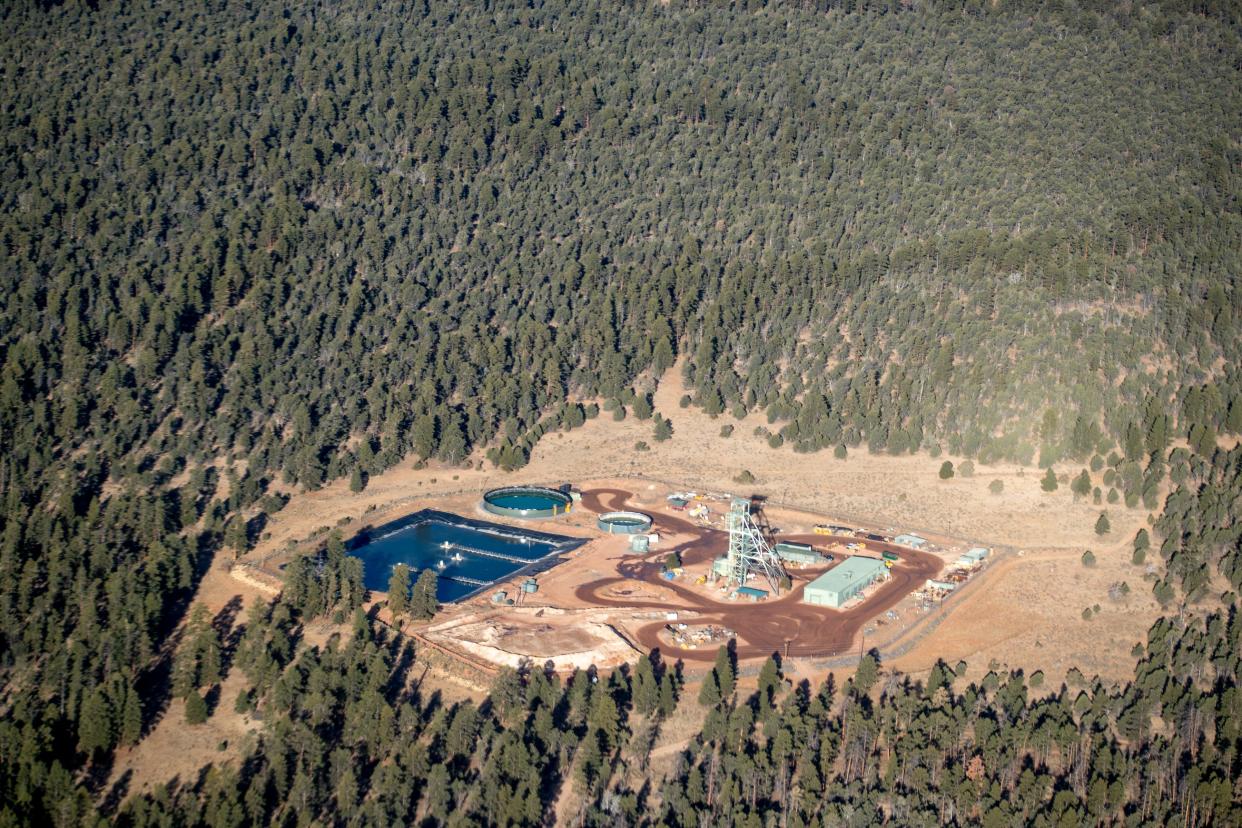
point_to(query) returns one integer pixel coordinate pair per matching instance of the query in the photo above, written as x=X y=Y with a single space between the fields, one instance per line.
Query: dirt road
x=782 y=624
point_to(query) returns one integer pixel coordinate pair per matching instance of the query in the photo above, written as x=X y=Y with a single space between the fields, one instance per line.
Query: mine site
x=572 y=576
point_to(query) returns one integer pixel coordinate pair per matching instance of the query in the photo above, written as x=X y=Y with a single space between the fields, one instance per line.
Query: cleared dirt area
x=783 y=624
x=568 y=639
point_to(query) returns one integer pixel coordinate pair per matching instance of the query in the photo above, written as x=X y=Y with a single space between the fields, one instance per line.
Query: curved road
x=763 y=627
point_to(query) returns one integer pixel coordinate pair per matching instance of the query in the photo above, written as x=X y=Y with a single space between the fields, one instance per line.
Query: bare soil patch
x=1027 y=613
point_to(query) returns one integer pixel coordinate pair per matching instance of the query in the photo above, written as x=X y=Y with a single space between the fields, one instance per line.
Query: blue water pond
x=467 y=555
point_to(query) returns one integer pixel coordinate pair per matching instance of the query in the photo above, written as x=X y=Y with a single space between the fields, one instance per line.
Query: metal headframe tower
x=748 y=550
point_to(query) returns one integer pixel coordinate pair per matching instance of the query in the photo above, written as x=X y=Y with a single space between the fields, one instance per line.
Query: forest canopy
x=243 y=243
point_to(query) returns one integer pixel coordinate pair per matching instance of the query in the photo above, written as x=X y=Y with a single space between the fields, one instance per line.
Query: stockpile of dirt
x=569 y=639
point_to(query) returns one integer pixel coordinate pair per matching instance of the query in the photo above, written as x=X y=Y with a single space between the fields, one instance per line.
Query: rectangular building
x=913 y=541
x=843 y=582
x=797 y=553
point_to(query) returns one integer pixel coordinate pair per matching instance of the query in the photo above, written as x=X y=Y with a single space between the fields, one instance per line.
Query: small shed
x=720 y=567
x=677 y=504
x=913 y=541
x=640 y=543
x=752 y=593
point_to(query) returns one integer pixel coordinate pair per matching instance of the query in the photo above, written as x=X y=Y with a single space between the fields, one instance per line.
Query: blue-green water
x=528 y=501
x=627 y=521
x=476 y=551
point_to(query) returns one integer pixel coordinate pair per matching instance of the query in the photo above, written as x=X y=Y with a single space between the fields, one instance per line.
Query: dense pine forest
x=251 y=243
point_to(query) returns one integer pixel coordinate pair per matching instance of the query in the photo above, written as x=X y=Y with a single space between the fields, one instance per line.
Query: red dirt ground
x=776 y=625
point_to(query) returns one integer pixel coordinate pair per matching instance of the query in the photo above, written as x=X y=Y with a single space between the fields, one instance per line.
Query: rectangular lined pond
x=467 y=555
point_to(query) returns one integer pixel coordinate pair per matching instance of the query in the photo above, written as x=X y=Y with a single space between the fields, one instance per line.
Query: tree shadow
x=228 y=632
x=97 y=772
x=399 y=686
x=154 y=686
x=255 y=527
x=212 y=698
x=116 y=794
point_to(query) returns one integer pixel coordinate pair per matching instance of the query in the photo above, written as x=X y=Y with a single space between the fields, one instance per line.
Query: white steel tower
x=748 y=550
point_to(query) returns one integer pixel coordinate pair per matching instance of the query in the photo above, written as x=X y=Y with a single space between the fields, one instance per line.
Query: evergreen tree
x=646 y=687
x=131 y=719
x=726 y=672
x=663 y=429
x=399 y=590
x=424 y=604
x=195 y=708
x=709 y=692
x=867 y=674
x=1102 y=526
x=769 y=680
x=95 y=728
x=1081 y=487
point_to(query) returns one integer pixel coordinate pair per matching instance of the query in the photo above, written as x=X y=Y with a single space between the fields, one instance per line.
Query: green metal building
x=843 y=582
x=798 y=553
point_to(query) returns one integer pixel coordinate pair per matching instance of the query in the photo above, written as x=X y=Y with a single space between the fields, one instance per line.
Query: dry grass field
x=875 y=490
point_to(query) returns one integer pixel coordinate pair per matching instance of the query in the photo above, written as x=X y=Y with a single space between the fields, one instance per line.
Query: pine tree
x=1102 y=526
x=642 y=407
x=424 y=436
x=769 y=681
x=1081 y=487
x=1049 y=482
x=399 y=591
x=668 y=695
x=131 y=718
x=946 y=470
x=726 y=673
x=95 y=730
x=709 y=693
x=867 y=674
x=424 y=603
x=195 y=708
x=663 y=429
x=646 y=687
